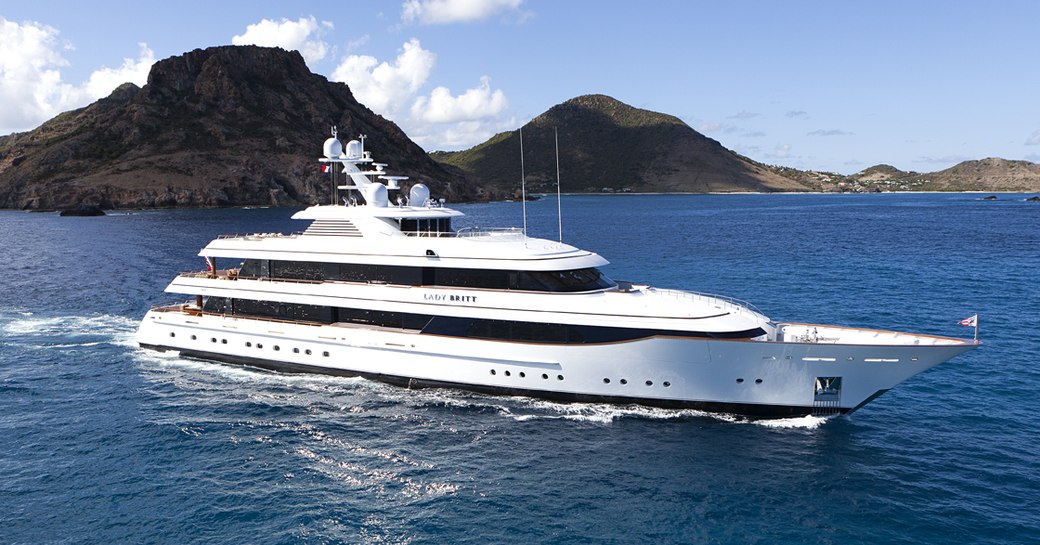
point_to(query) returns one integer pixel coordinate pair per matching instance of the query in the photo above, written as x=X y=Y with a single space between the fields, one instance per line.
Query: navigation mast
x=523 y=182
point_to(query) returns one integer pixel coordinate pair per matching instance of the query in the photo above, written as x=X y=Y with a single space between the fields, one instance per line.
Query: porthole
x=545 y=376
x=172 y=334
x=248 y=344
x=606 y=381
x=523 y=374
x=623 y=381
x=326 y=354
x=758 y=381
x=740 y=381
x=258 y=345
x=308 y=351
x=276 y=348
x=223 y=341
x=295 y=350
x=559 y=377
x=507 y=373
x=212 y=339
x=193 y=337
x=666 y=384
x=492 y=371
x=649 y=383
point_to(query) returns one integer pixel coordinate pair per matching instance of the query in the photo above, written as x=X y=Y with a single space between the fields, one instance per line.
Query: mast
x=559 y=207
x=332 y=169
x=523 y=182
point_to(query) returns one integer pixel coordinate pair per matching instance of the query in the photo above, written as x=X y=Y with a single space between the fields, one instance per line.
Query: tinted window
x=219 y=305
x=427 y=227
x=588 y=279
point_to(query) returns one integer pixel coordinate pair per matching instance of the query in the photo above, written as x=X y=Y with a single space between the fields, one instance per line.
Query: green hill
x=607 y=145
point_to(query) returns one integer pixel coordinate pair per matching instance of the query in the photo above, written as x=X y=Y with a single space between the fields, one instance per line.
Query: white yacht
x=379 y=285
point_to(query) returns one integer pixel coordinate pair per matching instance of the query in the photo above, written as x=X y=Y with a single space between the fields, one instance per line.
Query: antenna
x=332 y=169
x=523 y=181
x=559 y=207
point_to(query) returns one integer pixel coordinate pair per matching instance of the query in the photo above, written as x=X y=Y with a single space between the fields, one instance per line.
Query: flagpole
x=976 y=328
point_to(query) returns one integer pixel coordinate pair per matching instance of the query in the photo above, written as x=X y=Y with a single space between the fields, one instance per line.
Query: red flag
x=325 y=168
x=970 y=321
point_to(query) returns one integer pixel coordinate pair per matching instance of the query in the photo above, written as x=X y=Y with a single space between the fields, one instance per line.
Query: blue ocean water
x=101 y=442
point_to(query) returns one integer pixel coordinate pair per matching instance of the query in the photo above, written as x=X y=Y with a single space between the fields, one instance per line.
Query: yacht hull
x=752 y=378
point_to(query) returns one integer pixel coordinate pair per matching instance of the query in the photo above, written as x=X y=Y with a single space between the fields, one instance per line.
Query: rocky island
x=225 y=126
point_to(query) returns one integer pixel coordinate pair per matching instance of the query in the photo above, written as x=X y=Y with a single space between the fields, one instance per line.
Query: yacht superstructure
x=379 y=285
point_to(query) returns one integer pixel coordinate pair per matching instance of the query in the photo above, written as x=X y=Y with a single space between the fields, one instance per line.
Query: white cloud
x=103 y=81
x=744 y=114
x=474 y=104
x=710 y=127
x=438 y=12
x=438 y=120
x=387 y=87
x=31 y=88
x=290 y=35
x=829 y=132
x=354 y=45
x=942 y=160
x=461 y=135
x=30 y=79
x=1034 y=139
x=782 y=151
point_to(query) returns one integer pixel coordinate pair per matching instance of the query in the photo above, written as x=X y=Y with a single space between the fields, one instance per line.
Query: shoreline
x=970 y=192
x=542 y=196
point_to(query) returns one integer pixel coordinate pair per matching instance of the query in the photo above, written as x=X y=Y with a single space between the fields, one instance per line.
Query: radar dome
x=353 y=149
x=375 y=195
x=333 y=148
x=418 y=195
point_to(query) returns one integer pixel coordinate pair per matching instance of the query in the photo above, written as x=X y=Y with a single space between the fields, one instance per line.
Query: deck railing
x=466 y=232
x=256 y=236
x=191 y=309
x=711 y=298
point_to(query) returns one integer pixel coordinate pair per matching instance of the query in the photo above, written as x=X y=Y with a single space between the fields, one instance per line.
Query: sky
x=822 y=85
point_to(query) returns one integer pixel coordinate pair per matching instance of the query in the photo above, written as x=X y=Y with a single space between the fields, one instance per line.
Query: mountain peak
x=606 y=144
x=609 y=108
x=229 y=125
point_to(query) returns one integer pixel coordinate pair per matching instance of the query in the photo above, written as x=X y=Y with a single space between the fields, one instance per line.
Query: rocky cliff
x=235 y=125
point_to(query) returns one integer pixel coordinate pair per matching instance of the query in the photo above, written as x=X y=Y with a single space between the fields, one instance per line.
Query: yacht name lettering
x=450 y=298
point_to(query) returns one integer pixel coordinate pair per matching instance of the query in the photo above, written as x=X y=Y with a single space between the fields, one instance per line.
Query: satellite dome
x=376 y=195
x=353 y=149
x=418 y=195
x=333 y=148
